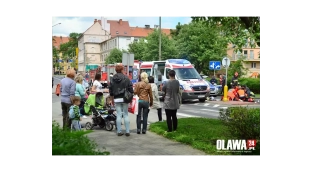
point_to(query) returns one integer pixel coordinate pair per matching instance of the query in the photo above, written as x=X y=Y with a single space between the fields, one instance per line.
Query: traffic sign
x=226 y=62
x=135 y=73
x=214 y=65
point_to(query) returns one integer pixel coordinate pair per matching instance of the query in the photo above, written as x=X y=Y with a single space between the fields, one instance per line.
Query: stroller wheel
x=88 y=126
x=108 y=126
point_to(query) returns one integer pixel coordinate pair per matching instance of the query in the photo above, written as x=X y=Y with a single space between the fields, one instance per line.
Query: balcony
x=245 y=57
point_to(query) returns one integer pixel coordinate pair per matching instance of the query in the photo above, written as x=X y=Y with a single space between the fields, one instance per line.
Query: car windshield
x=187 y=73
x=148 y=71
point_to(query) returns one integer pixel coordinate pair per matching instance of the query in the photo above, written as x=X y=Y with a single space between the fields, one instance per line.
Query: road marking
x=224 y=107
x=195 y=104
x=186 y=115
x=216 y=105
x=207 y=104
x=210 y=110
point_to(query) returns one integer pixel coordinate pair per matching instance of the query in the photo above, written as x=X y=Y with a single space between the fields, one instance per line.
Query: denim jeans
x=143 y=105
x=122 y=110
x=76 y=125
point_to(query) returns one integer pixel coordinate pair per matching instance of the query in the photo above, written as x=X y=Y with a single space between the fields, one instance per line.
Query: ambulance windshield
x=187 y=73
x=148 y=71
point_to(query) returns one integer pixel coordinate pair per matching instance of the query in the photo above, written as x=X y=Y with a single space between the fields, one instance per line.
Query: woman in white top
x=97 y=86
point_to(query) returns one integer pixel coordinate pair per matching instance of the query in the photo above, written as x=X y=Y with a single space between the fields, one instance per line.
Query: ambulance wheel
x=202 y=100
x=89 y=126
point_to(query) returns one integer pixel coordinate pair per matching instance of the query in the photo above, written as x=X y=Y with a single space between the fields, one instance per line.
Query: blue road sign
x=214 y=65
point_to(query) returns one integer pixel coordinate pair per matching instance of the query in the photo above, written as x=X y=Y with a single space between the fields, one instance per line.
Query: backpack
x=127 y=96
x=71 y=112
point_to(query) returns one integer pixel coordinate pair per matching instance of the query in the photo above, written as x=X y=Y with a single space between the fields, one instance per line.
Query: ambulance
x=146 y=67
x=192 y=84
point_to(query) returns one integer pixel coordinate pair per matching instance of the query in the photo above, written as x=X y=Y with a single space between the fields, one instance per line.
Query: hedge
x=243 y=123
x=65 y=142
x=252 y=83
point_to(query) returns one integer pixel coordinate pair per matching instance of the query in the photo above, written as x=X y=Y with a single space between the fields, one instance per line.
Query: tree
x=168 y=48
x=237 y=66
x=200 y=44
x=175 y=33
x=237 y=29
x=55 y=57
x=138 y=49
x=148 y=49
x=69 y=49
x=115 y=56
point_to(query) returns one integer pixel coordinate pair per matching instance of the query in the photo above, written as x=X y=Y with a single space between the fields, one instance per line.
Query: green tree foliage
x=138 y=49
x=55 y=57
x=200 y=44
x=175 y=32
x=168 y=48
x=236 y=29
x=148 y=49
x=69 y=49
x=115 y=56
x=237 y=66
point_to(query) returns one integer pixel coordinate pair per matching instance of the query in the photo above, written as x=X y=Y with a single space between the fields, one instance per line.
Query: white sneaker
x=84 y=116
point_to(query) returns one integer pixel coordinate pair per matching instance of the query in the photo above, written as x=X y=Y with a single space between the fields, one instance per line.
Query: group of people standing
x=147 y=91
x=74 y=88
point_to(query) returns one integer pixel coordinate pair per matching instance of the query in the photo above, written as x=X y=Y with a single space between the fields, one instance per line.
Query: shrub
x=243 y=123
x=65 y=142
x=252 y=83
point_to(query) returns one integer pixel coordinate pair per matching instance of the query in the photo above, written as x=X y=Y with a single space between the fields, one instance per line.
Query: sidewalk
x=136 y=144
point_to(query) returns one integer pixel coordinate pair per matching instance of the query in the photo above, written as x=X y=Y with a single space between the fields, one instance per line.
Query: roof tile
x=58 y=40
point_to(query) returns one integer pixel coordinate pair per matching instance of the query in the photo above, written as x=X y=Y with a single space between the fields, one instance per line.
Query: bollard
x=225 y=92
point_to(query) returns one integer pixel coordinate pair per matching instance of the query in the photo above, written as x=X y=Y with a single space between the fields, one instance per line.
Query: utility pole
x=160 y=38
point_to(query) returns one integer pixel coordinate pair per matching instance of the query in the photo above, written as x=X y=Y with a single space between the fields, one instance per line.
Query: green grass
x=65 y=142
x=200 y=133
x=257 y=96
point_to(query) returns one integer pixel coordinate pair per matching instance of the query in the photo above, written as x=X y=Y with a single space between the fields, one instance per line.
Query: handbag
x=133 y=107
x=58 y=89
x=127 y=96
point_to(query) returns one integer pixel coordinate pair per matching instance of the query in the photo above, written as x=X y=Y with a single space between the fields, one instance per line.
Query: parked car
x=203 y=76
x=215 y=90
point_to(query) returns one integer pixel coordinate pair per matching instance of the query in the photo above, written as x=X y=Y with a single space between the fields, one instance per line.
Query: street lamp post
x=159 y=38
x=56 y=25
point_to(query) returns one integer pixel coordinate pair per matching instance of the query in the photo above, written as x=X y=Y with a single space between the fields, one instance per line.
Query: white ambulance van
x=192 y=84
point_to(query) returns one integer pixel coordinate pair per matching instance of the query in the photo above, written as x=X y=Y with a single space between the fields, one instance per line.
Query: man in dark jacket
x=247 y=90
x=234 y=81
x=213 y=80
x=120 y=83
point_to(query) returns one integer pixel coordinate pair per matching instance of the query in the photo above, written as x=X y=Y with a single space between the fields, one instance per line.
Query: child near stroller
x=102 y=115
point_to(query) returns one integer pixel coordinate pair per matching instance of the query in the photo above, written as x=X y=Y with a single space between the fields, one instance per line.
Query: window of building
x=245 y=53
x=253 y=65
x=135 y=40
x=117 y=32
x=251 y=54
x=115 y=42
x=125 y=32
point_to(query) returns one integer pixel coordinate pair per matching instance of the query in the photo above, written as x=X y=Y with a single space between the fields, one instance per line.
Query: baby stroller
x=101 y=115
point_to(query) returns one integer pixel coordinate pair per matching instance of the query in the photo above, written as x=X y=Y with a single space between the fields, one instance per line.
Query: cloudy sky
x=81 y=24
